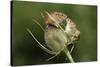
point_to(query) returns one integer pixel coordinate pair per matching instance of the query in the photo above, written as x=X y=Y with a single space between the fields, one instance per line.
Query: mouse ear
x=48 y=14
x=49 y=19
x=45 y=17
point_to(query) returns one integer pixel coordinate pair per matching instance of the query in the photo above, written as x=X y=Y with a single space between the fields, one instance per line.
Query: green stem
x=68 y=55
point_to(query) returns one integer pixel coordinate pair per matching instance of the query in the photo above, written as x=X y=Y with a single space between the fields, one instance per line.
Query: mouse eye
x=62 y=15
x=57 y=14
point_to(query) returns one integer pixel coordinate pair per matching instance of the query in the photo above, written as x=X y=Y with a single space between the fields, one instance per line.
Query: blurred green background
x=25 y=50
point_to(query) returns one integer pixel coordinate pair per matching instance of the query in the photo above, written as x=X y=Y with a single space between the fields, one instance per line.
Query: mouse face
x=54 y=18
x=58 y=16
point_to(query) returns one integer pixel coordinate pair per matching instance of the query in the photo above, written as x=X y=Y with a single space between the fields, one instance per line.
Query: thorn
x=41 y=45
x=39 y=24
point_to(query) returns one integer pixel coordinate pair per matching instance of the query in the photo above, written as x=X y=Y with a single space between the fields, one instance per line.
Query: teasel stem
x=66 y=51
